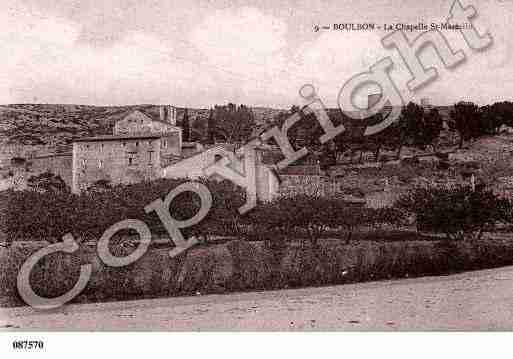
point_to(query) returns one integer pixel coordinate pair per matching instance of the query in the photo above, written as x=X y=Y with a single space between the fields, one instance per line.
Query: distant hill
x=54 y=125
x=57 y=125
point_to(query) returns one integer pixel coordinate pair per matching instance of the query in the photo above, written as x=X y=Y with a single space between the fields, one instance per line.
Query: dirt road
x=481 y=300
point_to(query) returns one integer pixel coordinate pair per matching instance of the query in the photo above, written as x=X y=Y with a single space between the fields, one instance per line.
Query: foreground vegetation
x=245 y=266
x=291 y=242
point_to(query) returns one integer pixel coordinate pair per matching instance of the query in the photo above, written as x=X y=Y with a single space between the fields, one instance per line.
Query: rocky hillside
x=55 y=125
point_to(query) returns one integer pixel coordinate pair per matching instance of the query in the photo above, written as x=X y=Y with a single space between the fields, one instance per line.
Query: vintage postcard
x=243 y=165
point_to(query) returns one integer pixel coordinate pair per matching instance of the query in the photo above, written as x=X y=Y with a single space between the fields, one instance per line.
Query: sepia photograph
x=255 y=166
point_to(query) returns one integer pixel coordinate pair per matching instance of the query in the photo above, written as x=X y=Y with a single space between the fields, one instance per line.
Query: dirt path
x=481 y=300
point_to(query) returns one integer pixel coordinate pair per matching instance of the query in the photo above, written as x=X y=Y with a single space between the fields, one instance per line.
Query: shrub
x=313 y=217
x=241 y=265
x=458 y=212
x=48 y=215
x=47 y=182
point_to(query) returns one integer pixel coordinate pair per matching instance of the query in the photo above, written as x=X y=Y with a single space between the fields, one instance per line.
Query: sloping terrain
x=54 y=125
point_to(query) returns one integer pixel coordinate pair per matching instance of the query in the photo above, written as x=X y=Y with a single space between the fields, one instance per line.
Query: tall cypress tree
x=186 y=126
x=211 y=127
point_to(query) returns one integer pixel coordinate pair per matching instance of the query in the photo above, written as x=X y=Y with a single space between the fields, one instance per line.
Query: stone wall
x=292 y=185
x=15 y=176
x=301 y=170
x=58 y=164
x=10 y=151
x=342 y=187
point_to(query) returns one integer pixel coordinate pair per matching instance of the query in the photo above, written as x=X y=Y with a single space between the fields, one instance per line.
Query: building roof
x=118 y=137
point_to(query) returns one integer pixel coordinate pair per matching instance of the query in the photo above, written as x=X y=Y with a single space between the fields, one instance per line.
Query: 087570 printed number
x=27 y=344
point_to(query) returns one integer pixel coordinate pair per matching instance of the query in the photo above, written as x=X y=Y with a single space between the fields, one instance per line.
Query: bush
x=239 y=265
x=47 y=182
x=313 y=217
x=458 y=212
x=48 y=215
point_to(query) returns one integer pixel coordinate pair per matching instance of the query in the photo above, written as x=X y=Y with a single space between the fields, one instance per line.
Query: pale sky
x=197 y=53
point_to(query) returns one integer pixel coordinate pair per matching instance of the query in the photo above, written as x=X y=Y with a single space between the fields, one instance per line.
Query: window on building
x=137 y=144
x=100 y=163
x=130 y=161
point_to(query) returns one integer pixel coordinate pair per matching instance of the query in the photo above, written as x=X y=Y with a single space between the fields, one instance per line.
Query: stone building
x=143 y=148
x=138 y=123
x=267 y=181
x=118 y=159
x=136 y=151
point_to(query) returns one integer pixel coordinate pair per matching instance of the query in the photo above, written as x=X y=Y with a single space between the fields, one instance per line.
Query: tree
x=465 y=119
x=352 y=139
x=328 y=156
x=490 y=119
x=234 y=124
x=432 y=126
x=460 y=213
x=307 y=131
x=186 y=127
x=312 y=217
x=38 y=215
x=47 y=182
x=496 y=115
x=412 y=124
x=415 y=127
x=199 y=129
x=392 y=139
x=211 y=128
x=389 y=137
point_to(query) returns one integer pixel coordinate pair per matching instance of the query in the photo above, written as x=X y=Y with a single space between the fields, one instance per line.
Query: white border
x=261 y=345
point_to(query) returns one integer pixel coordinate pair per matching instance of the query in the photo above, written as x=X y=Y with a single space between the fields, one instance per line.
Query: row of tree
x=50 y=214
x=416 y=126
x=460 y=213
x=48 y=211
x=226 y=123
x=472 y=121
